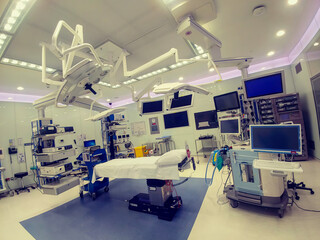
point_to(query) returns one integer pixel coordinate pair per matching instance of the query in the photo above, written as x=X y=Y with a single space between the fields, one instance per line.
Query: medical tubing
x=205 y=177
x=179 y=183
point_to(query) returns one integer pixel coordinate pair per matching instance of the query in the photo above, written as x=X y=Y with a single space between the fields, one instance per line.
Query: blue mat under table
x=108 y=217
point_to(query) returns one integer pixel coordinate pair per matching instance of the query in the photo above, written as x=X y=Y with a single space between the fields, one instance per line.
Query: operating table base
x=141 y=203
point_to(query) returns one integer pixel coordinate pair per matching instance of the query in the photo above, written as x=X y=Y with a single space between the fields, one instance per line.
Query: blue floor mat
x=108 y=217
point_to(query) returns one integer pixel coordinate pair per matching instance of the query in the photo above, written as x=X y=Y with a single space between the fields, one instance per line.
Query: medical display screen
x=174 y=120
x=205 y=120
x=276 y=138
x=152 y=107
x=229 y=126
x=89 y=143
x=181 y=101
x=264 y=86
x=226 y=102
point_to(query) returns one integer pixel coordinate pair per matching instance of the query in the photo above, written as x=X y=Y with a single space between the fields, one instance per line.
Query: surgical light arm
x=106 y=113
x=169 y=88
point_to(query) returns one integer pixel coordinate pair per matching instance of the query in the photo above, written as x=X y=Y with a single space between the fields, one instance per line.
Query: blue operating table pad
x=108 y=217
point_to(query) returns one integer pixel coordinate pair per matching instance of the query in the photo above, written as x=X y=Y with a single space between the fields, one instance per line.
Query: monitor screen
x=276 y=138
x=205 y=120
x=174 y=120
x=226 y=102
x=230 y=126
x=89 y=143
x=152 y=107
x=265 y=86
x=181 y=101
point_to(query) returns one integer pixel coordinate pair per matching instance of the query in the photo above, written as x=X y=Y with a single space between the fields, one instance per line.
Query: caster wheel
x=297 y=198
x=11 y=193
x=81 y=194
x=28 y=190
x=312 y=192
x=106 y=189
x=94 y=196
x=280 y=213
x=234 y=204
x=303 y=185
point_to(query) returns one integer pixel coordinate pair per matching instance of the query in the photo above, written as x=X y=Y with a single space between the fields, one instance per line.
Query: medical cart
x=89 y=160
x=254 y=186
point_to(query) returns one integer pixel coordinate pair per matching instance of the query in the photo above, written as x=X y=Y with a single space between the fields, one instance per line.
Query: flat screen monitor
x=89 y=143
x=266 y=86
x=152 y=107
x=205 y=120
x=174 y=120
x=276 y=138
x=180 y=102
x=230 y=125
x=227 y=102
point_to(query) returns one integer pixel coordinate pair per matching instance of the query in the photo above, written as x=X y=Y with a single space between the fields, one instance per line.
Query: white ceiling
x=146 y=29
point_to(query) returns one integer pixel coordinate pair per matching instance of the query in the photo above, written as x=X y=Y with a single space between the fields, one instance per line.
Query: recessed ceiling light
x=5 y=60
x=292 y=2
x=270 y=53
x=20 y=88
x=108 y=100
x=10 y=98
x=211 y=69
x=316 y=44
x=180 y=78
x=14 y=61
x=280 y=33
x=1 y=41
x=86 y=96
x=7 y=27
x=3 y=36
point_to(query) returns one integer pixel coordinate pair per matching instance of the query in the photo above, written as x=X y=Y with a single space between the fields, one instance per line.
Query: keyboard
x=277 y=165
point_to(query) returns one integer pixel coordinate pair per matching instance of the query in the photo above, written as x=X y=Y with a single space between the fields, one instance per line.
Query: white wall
x=303 y=86
x=201 y=103
x=15 y=123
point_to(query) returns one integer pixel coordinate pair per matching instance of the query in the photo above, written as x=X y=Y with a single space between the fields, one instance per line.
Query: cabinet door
x=246 y=178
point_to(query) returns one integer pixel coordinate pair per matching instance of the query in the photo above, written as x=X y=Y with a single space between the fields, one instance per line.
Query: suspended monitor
x=181 y=102
x=205 y=120
x=227 y=102
x=89 y=143
x=174 y=120
x=152 y=107
x=276 y=138
x=230 y=125
x=266 y=86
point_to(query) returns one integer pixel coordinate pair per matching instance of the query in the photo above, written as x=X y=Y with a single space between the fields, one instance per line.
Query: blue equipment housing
x=97 y=157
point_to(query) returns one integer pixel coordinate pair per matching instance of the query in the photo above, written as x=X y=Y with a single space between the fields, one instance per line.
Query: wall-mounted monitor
x=230 y=125
x=89 y=143
x=276 y=138
x=227 y=102
x=205 y=120
x=266 y=86
x=152 y=107
x=181 y=102
x=174 y=120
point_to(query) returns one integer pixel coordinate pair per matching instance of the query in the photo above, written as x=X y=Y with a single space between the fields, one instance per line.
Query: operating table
x=159 y=171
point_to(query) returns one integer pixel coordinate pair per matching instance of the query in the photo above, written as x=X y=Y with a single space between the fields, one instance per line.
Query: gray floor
x=215 y=219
